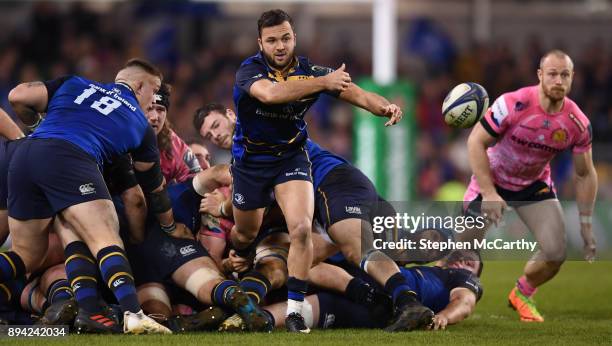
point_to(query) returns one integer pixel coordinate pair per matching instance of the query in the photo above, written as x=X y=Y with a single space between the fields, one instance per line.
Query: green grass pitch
x=577 y=306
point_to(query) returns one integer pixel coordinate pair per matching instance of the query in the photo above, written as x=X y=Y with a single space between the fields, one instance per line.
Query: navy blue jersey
x=433 y=284
x=186 y=205
x=265 y=132
x=105 y=120
x=322 y=161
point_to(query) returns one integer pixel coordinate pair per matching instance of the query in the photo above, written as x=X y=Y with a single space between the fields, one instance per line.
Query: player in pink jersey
x=176 y=159
x=529 y=127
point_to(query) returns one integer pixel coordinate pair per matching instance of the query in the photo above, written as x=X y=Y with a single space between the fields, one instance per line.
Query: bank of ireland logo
x=238 y=198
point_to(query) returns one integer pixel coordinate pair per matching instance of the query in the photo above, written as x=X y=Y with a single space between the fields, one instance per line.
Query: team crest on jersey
x=559 y=135
x=519 y=106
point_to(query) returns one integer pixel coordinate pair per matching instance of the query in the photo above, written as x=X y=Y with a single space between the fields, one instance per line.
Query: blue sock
x=59 y=291
x=11 y=266
x=10 y=292
x=220 y=291
x=117 y=274
x=397 y=286
x=255 y=285
x=82 y=274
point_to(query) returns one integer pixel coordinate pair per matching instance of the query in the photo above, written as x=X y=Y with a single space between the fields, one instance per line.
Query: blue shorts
x=254 y=182
x=7 y=148
x=160 y=255
x=337 y=311
x=344 y=193
x=47 y=176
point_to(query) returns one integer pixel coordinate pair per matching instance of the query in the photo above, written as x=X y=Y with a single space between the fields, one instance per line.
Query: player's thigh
x=353 y=237
x=248 y=222
x=30 y=240
x=296 y=200
x=95 y=222
x=546 y=221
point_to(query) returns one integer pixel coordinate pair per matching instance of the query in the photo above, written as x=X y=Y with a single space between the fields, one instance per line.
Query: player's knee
x=554 y=251
x=300 y=233
x=243 y=234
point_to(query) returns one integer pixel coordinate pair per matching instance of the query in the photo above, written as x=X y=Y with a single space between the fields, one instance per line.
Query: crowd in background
x=52 y=43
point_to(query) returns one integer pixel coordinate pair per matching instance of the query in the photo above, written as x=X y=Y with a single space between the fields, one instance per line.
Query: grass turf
x=576 y=305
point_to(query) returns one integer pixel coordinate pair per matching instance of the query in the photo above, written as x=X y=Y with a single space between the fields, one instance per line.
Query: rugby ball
x=465 y=105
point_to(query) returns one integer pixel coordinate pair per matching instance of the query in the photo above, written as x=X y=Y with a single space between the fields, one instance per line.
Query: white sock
x=294 y=306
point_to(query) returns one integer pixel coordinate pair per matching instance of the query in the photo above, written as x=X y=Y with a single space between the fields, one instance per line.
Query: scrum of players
x=118 y=226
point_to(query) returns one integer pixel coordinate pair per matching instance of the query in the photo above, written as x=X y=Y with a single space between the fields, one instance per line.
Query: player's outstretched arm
x=373 y=103
x=461 y=305
x=28 y=100
x=477 y=144
x=212 y=178
x=292 y=90
x=586 y=191
x=8 y=128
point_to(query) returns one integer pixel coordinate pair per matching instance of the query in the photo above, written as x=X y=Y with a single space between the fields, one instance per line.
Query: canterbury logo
x=87 y=189
x=118 y=282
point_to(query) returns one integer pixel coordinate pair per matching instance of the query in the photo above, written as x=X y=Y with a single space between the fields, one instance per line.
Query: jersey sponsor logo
x=559 y=135
x=534 y=145
x=257 y=76
x=238 y=198
x=296 y=171
x=474 y=286
x=352 y=210
x=118 y=282
x=500 y=111
x=87 y=189
x=187 y=250
x=321 y=69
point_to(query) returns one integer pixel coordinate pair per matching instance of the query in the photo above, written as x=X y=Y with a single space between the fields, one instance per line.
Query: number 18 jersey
x=105 y=120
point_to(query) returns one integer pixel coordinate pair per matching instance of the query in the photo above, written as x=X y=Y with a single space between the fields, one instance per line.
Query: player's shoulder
x=574 y=111
x=253 y=60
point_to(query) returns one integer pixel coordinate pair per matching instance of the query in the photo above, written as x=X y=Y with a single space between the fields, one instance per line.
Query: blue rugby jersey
x=433 y=284
x=105 y=120
x=267 y=133
x=322 y=161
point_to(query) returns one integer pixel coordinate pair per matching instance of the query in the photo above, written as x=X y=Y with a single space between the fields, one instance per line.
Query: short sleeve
x=496 y=121
x=583 y=144
x=320 y=71
x=465 y=279
x=147 y=151
x=248 y=74
x=54 y=84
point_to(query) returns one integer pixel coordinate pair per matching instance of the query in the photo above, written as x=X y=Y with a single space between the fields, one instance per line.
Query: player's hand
x=439 y=322
x=590 y=245
x=182 y=232
x=211 y=202
x=338 y=80
x=493 y=207
x=238 y=264
x=393 y=112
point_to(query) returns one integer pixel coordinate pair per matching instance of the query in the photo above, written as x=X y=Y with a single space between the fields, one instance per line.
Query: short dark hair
x=273 y=18
x=145 y=66
x=202 y=112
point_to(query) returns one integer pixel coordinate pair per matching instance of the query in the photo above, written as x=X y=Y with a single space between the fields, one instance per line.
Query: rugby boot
x=252 y=315
x=139 y=323
x=295 y=323
x=410 y=315
x=208 y=319
x=60 y=313
x=525 y=306
x=233 y=324
x=98 y=323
